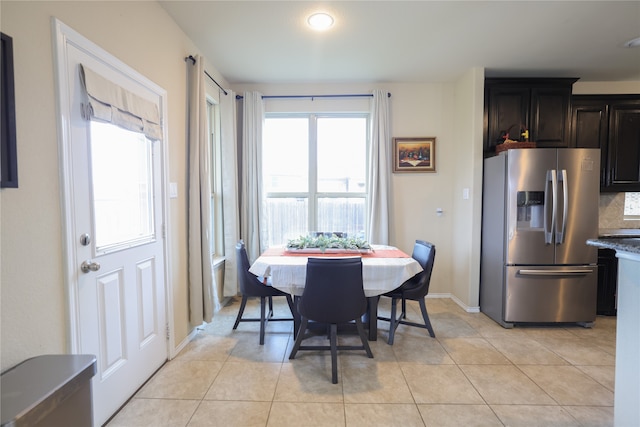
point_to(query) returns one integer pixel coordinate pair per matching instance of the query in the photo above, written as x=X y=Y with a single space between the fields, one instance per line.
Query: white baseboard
x=183 y=343
x=455 y=299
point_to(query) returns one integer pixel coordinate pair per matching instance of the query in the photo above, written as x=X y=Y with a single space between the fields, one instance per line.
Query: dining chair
x=414 y=289
x=251 y=286
x=333 y=294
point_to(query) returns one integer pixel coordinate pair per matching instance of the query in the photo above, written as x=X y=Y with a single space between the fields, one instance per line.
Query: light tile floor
x=475 y=373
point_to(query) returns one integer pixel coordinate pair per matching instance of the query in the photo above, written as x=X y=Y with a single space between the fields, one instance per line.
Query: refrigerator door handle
x=549 y=228
x=562 y=177
x=576 y=272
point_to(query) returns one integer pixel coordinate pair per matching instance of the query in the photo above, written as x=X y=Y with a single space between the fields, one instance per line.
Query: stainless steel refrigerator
x=539 y=208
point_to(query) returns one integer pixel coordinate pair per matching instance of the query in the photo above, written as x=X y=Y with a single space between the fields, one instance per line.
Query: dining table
x=384 y=268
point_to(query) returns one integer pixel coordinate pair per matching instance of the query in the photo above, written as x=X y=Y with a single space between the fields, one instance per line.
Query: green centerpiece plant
x=323 y=243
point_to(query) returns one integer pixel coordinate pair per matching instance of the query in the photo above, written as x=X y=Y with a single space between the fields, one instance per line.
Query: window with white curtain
x=314 y=170
x=217 y=221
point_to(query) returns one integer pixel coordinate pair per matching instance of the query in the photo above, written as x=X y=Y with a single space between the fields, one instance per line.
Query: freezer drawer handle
x=554 y=272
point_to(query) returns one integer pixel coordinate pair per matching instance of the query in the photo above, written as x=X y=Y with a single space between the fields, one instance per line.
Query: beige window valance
x=111 y=103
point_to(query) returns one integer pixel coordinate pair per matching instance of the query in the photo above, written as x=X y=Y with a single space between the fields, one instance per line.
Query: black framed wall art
x=8 y=153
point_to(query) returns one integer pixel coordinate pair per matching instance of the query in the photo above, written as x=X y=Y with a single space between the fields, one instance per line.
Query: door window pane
x=121 y=172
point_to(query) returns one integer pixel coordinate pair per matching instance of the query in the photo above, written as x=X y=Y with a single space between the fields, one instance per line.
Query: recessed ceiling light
x=320 y=21
x=632 y=43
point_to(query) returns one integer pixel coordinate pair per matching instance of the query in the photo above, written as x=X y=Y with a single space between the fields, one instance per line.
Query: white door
x=115 y=244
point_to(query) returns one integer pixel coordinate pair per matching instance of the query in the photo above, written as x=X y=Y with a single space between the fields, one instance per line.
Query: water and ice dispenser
x=530 y=209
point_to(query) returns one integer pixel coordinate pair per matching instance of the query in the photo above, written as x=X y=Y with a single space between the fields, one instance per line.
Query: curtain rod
x=190 y=57
x=352 y=95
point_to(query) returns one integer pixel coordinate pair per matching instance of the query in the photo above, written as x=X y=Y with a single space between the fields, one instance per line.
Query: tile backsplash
x=611 y=212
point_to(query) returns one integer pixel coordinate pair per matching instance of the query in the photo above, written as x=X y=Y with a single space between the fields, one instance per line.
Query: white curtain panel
x=379 y=166
x=230 y=206
x=252 y=123
x=201 y=278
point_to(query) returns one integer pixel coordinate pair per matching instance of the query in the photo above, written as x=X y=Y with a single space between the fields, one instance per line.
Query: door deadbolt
x=88 y=266
x=85 y=239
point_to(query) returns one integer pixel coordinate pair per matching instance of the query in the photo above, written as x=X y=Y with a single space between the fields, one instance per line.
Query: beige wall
x=465 y=257
x=142 y=35
x=452 y=112
x=595 y=88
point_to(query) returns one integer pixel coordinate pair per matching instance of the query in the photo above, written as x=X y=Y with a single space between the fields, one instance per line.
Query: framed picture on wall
x=416 y=154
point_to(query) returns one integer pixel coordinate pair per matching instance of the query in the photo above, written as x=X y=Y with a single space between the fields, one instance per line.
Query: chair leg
x=363 y=338
x=296 y=317
x=333 y=340
x=301 y=331
x=240 y=311
x=425 y=316
x=270 y=307
x=290 y=303
x=404 y=309
x=372 y=317
x=393 y=322
x=263 y=319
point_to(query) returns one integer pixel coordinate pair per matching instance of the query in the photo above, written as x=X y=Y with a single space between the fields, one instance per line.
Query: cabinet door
x=590 y=128
x=607 y=282
x=550 y=109
x=509 y=109
x=541 y=105
x=623 y=154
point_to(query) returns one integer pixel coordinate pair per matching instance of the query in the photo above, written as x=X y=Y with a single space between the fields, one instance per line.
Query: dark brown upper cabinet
x=540 y=105
x=611 y=123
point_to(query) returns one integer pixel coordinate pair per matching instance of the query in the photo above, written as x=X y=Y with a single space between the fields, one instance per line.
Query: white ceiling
x=413 y=41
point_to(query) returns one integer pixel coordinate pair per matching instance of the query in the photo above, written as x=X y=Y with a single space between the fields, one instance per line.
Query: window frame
x=215 y=161
x=313 y=195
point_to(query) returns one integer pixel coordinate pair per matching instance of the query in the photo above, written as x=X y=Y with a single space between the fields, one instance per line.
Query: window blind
x=109 y=102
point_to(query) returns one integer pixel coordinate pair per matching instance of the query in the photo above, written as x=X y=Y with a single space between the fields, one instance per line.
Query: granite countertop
x=626 y=244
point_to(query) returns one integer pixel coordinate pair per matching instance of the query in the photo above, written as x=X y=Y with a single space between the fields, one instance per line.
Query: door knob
x=88 y=266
